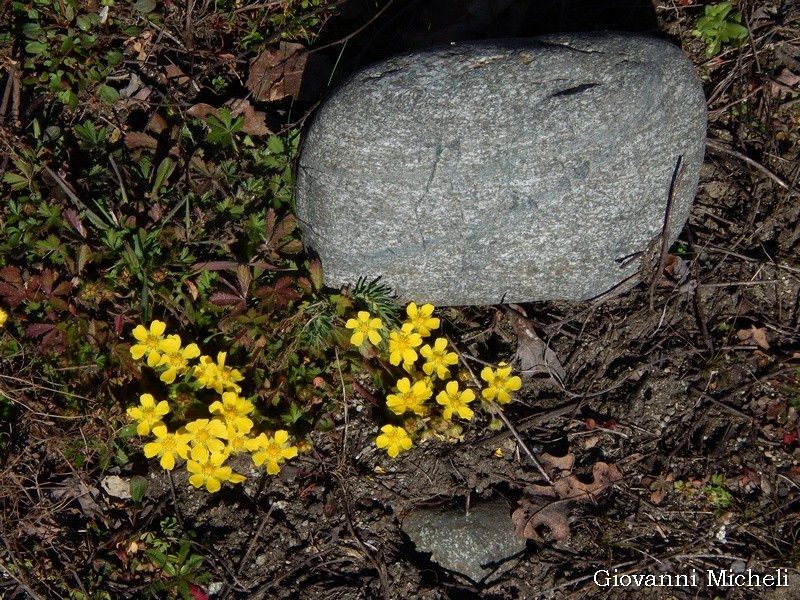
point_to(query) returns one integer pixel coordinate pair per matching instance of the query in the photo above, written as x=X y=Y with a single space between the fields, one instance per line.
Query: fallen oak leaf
x=136 y=139
x=754 y=335
x=555 y=464
x=255 y=121
x=291 y=70
x=533 y=356
x=550 y=506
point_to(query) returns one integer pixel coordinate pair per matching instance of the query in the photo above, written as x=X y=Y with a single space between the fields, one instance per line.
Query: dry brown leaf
x=175 y=72
x=201 y=110
x=550 y=506
x=785 y=81
x=554 y=464
x=291 y=70
x=754 y=335
x=534 y=356
x=156 y=123
x=255 y=121
x=136 y=139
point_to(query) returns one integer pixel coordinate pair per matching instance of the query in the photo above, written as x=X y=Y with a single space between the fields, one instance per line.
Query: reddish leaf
x=13 y=296
x=280 y=293
x=225 y=299
x=38 y=329
x=197 y=592
x=11 y=274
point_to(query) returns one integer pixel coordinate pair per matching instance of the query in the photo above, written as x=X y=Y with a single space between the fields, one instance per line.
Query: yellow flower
x=455 y=401
x=402 y=344
x=175 y=358
x=207 y=470
x=438 y=359
x=420 y=318
x=148 y=413
x=237 y=441
x=232 y=410
x=409 y=397
x=394 y=439
x=273 y=450
x=3 y=318
x=499 y=383
x=207 y=373
x=167 y=445
x=365 y=326
x=217 y=376
x=208 y=434
x=148 y=342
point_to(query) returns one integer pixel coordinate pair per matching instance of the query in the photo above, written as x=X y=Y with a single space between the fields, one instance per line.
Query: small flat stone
x=477 y=545
x=503 y=171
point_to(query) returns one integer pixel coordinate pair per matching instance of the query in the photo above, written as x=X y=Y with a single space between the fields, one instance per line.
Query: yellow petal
x=151 y=449
x=168 y=461
x=157 y=328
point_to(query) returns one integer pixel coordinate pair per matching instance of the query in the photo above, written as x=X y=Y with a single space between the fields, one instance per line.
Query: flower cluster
x=204 y=444
x=427 y=374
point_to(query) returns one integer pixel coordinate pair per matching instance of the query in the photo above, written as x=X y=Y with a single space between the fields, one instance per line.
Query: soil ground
x=689 y=382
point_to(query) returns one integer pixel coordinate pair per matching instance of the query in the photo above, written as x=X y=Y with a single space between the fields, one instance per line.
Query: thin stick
x=674 y=186
x=719 y=149
x=499 y=412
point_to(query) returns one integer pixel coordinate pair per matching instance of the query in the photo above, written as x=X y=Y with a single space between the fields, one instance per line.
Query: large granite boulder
x=503 y=171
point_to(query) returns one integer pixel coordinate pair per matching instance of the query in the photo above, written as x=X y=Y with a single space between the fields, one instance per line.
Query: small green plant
x=720 y=25
x=717 y=493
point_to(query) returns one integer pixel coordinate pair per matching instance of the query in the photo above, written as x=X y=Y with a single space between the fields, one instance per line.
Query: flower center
x=273 y=451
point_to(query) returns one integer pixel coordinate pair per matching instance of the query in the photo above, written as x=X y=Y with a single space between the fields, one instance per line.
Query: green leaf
x=275 y=145
x=138 y=488
x=17 y=182
x=108 y=94
x=114 y=58
x=84 y=22
x=165 y=169
x=734 y=31
x=69 y=99
x=144 y=6
x=35 y=48
x=127 y=431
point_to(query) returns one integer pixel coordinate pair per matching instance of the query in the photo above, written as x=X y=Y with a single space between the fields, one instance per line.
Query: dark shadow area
x=400 y=26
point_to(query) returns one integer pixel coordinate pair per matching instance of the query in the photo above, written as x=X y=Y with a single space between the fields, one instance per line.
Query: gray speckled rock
x=477 y=545
x=512 y=171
